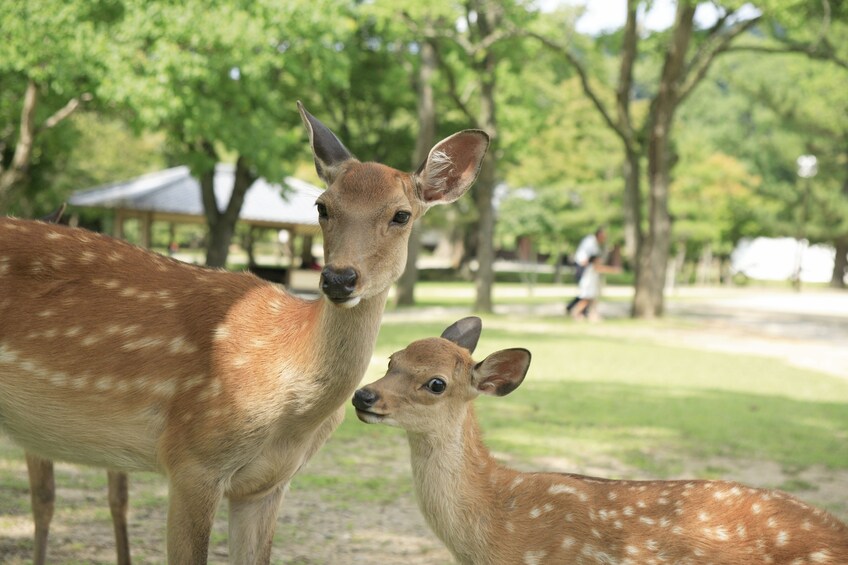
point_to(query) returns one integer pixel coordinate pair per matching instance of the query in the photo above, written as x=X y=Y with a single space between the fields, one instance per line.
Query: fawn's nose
x=365 y=398
x=338 y=284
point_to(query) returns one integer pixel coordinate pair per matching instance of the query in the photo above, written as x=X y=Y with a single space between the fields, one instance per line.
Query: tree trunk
x=840 y=263
x=426 y=138
x=652 y=257
x=486 y=181
x=632 y=205
x=222 y=225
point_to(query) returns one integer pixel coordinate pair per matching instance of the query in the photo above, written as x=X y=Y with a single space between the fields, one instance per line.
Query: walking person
x=591 y=245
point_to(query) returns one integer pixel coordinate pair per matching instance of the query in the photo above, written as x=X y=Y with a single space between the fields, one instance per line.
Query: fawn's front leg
x=118 y=502
x=42 y=490
x=191 y=510
x=252 y=524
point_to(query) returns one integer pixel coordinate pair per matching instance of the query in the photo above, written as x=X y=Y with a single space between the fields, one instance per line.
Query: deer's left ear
x=465 y=332
x=329 y=153
x=501 y=372
x=451 y=167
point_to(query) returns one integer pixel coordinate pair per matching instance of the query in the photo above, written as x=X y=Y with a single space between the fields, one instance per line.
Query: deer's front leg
x=118 y=502
x=252 y=524
x=191 y=509
x=42 y=490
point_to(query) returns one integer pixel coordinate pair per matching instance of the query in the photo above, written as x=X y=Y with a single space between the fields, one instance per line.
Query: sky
x=605 y=15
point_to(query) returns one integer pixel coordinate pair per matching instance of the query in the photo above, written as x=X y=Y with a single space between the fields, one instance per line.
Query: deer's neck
x=343 y=345
x=455 y=480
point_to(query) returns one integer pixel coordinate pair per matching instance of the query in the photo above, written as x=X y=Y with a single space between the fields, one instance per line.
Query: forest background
x=681 y=140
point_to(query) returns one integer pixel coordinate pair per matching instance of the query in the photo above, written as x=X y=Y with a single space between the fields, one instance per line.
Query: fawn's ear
x=327 y=150
x=501 y=372
x=451 y=167
x=465 y=332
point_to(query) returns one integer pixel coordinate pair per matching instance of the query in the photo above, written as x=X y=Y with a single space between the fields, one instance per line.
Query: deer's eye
x=436 y=385
x=322 y=210
x=401 y=218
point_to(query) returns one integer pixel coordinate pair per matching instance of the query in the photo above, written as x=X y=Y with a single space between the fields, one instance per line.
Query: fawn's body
x=223 y=382
x=488 y=514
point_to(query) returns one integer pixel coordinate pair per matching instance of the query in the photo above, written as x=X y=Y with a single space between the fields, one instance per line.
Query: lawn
x=602 y=399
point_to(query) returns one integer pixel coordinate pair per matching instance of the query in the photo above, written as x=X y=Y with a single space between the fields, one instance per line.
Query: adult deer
x=42 y=488
x=227 y=384
x=488 y=514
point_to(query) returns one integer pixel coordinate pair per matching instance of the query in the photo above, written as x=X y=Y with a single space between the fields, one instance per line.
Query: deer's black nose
x=365 y=398
x=338 y=284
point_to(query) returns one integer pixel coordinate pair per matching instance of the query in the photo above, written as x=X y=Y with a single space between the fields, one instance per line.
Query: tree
x=220 y=79
x=50 y=65
x=470 y=55
x=686 y=55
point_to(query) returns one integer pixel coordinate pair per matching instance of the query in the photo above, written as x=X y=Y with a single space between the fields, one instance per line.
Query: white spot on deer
x=652 y=545
x=703 y=516
x=165 y=388
x=665 y=522
x=46 y=313
x=90 y=340
x=128 y=292
x=143 y=343
x=618 y=525
x=561 y=489
x=534 y=557
x=510 y=527
x=87 y=257
x=535 y=512
x=721 y=534
x=641 y=504
x=103 y=384
x=677 y=530
x=612 y=495
x=221 y=333
x=822 y=556
x=180 y=345
x=568 y=542
x=648 y=521
x=741 y=532
x=806 y=525
x=4 y=266
x=662 y=500
x=73 y=331
x=782 y=538
x=756 y=508
x=771 y=522
x=632 y=550
x=628 y=511
x=54 y=235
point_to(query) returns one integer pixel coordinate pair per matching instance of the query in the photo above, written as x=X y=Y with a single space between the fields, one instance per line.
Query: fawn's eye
x=322 y=210
x=436 y=385
x=401 y=218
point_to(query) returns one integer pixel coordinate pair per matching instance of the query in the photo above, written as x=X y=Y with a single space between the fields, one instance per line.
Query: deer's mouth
x=369 y=417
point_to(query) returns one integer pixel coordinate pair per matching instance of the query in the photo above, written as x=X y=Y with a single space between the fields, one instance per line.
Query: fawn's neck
x=455 y=479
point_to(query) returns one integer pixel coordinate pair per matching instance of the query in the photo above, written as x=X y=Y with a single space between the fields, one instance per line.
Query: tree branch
x=699 y=68
x=64 y=112
x=815 y=52
x=584 y=81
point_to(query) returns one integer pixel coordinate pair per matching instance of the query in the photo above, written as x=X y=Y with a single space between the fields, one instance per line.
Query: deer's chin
x=349 y=303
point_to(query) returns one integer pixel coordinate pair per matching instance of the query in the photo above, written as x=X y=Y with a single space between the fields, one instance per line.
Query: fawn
x=227 y=384
x=488 y=514
x=42 y=488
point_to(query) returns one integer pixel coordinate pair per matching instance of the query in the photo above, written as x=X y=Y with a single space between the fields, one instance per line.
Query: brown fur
x=126 y=359
x=488 y=514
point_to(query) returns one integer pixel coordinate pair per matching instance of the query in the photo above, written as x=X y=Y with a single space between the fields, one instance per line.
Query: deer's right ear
x=451 y=167
x=465 y=332
x=327 y=150
x=501 y=372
